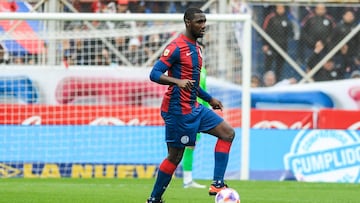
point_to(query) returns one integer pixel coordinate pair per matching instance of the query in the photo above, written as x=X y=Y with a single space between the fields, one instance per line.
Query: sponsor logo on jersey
x=189 y=53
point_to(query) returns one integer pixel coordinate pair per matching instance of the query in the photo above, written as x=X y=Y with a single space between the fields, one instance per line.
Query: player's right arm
x=157 y=75
x=170 y=56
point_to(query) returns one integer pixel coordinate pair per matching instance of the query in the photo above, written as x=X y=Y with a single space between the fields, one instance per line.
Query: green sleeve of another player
x=203 y=75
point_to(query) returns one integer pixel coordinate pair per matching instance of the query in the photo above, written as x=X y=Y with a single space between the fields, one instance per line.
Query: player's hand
x=216 y=104
x=186 y=84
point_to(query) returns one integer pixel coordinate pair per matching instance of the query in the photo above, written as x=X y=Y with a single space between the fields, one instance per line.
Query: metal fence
x=294 y=42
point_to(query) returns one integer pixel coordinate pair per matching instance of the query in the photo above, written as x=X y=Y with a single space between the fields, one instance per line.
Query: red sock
x=222 y=146
x=222 y=149
x=167 y=167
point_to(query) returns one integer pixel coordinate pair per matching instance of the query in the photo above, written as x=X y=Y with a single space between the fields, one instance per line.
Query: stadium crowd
x=306 y=33
x=320 y=30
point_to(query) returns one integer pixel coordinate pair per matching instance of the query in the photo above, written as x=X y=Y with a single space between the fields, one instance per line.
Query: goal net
x=76 y=100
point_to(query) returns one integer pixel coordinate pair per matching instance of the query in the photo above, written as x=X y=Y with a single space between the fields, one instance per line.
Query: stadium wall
x=275 y=154
x=46 y=138
x=344 y=96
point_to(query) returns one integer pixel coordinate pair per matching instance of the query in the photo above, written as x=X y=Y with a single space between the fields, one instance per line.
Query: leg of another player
x=165 y=172
x=225 y=134
x=188 y=166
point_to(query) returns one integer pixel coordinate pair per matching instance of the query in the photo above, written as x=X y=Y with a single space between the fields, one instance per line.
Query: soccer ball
x=227 y=195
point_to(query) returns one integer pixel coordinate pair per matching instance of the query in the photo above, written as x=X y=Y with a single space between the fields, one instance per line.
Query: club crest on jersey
x=166 y=52
x=185 y=139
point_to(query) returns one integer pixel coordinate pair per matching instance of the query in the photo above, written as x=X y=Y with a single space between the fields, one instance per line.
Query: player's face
x=197 y=25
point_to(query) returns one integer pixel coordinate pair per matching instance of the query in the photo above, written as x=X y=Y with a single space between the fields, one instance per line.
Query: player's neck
x=190 y=37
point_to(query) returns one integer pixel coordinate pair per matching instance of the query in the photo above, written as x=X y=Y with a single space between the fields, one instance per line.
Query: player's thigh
x=209 y=121
x=223 y=131
x=180 y=130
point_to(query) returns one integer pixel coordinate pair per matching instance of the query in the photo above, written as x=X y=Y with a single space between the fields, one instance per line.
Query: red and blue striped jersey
x=184 y=61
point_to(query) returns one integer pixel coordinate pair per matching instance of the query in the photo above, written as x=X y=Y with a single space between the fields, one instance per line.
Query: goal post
x=235 y=73
x=119 y=17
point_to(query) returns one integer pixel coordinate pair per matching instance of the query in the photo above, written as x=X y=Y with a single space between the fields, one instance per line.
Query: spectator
x=343 y=28
x=180 y=6
x=269 y=80
x=121 y=43
x=79 y=52
x=255 y=81
x=317 y=52
x=67 y=53
x=279 y=27
x=103 y=57
x=135 y=53
x=355 y=74
x=123 y=6
x=76 y=4
x=31 y=60
x=18 y=60
x=4 y=57
x=330 y=70
x=110 y=7
x=316 y=28
x=97 y=6
x=355 y=67
x=93 y=47
x=153 y=43
x=156 y=7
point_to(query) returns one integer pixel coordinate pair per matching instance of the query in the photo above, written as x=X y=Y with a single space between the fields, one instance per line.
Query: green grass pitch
x=137 y=190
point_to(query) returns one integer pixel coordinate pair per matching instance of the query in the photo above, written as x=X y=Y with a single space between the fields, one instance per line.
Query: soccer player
x=184 y=117
x=189 y=150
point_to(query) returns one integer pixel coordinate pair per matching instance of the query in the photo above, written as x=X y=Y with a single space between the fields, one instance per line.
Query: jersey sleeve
x=204 y=95
x=156 y=72
x=203 y=75
x=170 y=55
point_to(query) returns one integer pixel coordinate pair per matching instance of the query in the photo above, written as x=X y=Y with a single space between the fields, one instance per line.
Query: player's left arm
x=214 y=103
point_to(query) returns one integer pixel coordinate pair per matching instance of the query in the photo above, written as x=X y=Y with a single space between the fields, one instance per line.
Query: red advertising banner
x=338 y=119
x=137 y=115
x=272 y=119
x=354 y=93
x=79 y=115
x=280 y=119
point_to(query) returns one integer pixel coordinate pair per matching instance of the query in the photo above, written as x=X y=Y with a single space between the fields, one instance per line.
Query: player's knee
x=174 y=158
x=230 y=134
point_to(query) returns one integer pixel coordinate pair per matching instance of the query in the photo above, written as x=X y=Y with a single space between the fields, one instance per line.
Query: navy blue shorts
x=181 y=130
